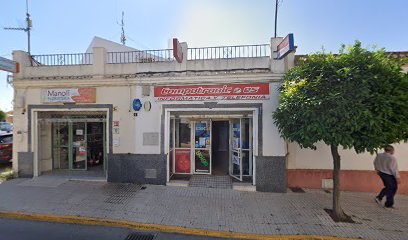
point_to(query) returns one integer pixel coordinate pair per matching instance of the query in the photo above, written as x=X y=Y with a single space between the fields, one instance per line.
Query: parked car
x=6 y=148
x=6 y=128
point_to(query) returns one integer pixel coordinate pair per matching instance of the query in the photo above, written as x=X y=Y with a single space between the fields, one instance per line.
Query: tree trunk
x=337 y=210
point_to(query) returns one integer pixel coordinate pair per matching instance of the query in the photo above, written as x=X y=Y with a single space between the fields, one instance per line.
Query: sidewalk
x=206 y=208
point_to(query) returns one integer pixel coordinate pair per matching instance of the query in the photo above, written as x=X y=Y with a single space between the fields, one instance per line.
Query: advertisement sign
x=286 y=46
x=137 y=104
x=202 y=161
x=250 y=91
x=177 y=50
x=183 y=162
x=8 y=65
x=69 y=95
x=202 y=136
x=147 y=106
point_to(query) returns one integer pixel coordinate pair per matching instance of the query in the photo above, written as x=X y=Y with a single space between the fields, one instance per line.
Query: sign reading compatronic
x=69 y=95
x=250 y=91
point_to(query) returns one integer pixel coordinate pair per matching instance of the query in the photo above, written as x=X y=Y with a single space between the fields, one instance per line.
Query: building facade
x=150 y=117
x=143 y=116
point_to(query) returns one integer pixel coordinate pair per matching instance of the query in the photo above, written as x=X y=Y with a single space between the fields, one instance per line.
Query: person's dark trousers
x=389 y=190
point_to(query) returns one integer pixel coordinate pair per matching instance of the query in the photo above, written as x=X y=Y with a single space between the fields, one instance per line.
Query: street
x=12 y=229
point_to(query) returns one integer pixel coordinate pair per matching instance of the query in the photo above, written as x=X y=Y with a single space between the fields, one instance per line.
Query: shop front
x=218 y=145
x=215 y=137
x=78 y=143
x=69 y=133
x=71 y=141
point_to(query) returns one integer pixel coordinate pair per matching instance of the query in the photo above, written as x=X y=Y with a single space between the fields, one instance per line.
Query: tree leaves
x=357 y=99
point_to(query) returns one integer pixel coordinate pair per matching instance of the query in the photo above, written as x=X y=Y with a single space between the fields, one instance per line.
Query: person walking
x=387 y=168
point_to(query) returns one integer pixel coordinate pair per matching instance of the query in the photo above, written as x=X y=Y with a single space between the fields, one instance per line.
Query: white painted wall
x=110 y=46
x=299 y=158
x=273 y=144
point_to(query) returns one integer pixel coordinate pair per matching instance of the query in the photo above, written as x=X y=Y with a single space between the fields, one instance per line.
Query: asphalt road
x=12 y=229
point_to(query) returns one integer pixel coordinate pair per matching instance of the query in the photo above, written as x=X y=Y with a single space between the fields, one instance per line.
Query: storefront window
x=236 y=134
x=245 y=133
x=183 y=133
x=202 y=135
x=202 y=161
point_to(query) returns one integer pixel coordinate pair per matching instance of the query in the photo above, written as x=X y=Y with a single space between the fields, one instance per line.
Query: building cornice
x=127 y=79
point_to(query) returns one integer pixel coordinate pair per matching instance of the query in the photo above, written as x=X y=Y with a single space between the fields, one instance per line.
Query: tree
x=3 y=116
x=356 y=99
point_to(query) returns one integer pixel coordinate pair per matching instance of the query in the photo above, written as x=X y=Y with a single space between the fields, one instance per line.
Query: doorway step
x=210 y=181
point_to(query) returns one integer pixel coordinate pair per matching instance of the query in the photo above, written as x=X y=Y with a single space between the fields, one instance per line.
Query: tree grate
x=139 y=236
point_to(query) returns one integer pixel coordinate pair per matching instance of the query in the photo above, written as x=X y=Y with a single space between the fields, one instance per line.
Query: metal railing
x=150 y=56
x=228 y=52
x=146 y=56
x=62 y=59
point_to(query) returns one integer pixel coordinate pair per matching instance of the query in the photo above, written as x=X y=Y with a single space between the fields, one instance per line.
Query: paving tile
x=211 y=208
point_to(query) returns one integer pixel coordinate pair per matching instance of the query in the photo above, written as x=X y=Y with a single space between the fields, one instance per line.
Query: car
x=6 y=128
x=6 y=148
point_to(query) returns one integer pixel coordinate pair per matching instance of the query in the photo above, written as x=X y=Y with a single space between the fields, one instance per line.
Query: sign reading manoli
x=250 y=91
x=69 y=95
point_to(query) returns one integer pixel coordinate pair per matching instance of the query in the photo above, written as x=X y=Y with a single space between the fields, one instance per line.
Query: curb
x=156 y=227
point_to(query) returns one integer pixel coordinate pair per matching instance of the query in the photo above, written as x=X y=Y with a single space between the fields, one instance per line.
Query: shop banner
x=183 y=161
x=250 y=91
x=69 y=95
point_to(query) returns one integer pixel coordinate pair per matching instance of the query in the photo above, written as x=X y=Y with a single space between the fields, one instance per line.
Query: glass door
x=241 y=148
x=69 y=145
x=201 y=148
x=79 y=146
x=246 y=146
x=171 y=147
x=60 y=145
x=181 y=153
x=235 y=149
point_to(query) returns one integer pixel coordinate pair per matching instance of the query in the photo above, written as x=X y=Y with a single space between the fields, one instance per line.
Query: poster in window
x=202 y=161
x=202 y=136
x=183 y=162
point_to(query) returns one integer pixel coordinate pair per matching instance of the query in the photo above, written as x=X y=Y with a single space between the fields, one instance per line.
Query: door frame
x=71 y=146
x=167 y=114
x=193 y=148
x=33 y=132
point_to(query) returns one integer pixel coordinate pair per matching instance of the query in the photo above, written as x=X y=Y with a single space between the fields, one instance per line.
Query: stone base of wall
x=271 y=174
x=351 y=180
x=25 y=164
x=137 y=168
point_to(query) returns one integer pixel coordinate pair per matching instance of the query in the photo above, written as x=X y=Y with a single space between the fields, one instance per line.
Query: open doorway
x=220 y=147
x=95 y=143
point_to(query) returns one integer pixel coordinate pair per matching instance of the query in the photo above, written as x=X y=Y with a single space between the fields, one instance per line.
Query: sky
x=68 y=26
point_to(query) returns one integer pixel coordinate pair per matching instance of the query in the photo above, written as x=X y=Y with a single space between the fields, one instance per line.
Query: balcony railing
x=62 y=59
x=228 y=52
x=150 y=56
x=147 y=56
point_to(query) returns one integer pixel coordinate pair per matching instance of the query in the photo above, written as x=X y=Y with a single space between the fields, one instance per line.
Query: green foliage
x=3 y=116
x=356 y=99
x=7 y=174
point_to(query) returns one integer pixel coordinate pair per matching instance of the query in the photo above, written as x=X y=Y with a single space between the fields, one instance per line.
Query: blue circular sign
x=137 y=104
